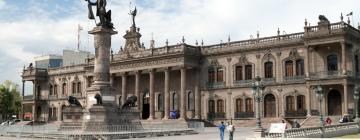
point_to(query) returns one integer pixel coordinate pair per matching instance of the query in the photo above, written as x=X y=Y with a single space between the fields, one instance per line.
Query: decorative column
x=137 y=85
x=166 y=93
x=345 y=110
x=307 y=62
x=229 y=105
x=123 y=89
x=152 y=101
x=101 y=85
x=197 y=95
x=308 y=98
x=182 y=93
x=343 y=57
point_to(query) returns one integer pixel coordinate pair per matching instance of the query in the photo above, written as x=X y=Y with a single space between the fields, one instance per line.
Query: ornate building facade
x=214 y=81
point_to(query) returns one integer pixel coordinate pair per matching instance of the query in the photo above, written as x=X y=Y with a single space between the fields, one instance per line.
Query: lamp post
x=319 y=94
x=356 y=98
x=257 y=91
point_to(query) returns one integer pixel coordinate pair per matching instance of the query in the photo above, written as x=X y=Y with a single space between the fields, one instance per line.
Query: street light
x=356 y=98
x=258 y=93
x=319 y=94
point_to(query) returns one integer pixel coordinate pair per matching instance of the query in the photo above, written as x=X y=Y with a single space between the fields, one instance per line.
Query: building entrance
x=334 y=103
x=145 y=106
x=269 y=106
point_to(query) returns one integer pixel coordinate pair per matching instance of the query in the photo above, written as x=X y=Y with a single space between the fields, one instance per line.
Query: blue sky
x=35 y=27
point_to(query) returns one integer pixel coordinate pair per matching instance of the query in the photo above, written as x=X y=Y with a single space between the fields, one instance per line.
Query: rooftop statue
x=133 y=14
x=104 y=16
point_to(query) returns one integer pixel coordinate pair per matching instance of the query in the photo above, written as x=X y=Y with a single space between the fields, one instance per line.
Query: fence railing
x=244 y=114
x=318 y=132
x=298 y=113
x=78 y=129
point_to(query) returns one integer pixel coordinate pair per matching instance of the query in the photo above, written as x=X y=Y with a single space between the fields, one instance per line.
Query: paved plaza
x=210 y=133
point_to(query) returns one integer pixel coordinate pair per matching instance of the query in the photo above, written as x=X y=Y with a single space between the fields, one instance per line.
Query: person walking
x=231 y=130
x=221 y=128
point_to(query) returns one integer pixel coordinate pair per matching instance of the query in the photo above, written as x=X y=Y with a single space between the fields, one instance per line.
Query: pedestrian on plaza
x=231 y=130
x=296 y=124
x=328 y=121
x=221 y=128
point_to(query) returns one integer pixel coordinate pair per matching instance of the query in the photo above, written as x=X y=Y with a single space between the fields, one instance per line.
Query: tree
x=10 y=100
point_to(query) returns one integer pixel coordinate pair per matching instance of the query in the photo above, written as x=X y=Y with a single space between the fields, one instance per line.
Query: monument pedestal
x=73 y=118
x=259 y=132
x=110 y=118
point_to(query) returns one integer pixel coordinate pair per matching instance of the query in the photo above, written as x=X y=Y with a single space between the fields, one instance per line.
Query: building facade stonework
x=213 y=82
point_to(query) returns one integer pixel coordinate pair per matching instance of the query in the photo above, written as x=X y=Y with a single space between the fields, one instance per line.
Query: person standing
x=221 y=128
x=231 y=130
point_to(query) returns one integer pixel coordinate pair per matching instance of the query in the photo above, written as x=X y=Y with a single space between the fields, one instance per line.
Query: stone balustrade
x=319 y=132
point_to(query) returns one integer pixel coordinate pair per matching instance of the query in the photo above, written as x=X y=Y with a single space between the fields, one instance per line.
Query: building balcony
x=216 y=85
x=329 y=74
x=297 y=113
x=244 y=114
x=28 y=97
x=296 y=78
x=34 y=73
x=53 y=97
x=242 y=82
x=77 y=95
x=268 y=80
x=217 y=115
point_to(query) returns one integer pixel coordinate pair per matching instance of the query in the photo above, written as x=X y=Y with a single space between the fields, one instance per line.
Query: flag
x=79 y=27
x=350 y=14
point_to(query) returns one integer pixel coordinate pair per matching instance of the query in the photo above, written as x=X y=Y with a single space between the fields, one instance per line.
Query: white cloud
x=211 y=20
x=2 y=4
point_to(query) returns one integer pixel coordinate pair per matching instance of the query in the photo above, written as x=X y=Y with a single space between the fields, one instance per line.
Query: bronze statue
x=130 y=102
x=133 y=14
x=104 y=16
x=98 y=99
x=322 y=18
x=73 y=101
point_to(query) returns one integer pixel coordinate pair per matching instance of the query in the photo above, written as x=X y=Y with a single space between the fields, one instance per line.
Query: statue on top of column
x=104 y=16
x=133 y=14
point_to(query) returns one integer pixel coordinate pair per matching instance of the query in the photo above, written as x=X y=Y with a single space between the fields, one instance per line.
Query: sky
x=32 y=28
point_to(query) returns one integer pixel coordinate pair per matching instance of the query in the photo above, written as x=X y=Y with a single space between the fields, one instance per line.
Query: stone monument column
x=102 y=44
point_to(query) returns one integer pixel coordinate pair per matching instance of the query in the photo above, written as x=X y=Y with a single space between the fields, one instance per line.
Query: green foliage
x=10 y=100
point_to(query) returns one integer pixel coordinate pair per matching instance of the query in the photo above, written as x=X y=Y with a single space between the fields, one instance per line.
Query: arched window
x=211 y=106
x=268 y=69
x=64 y=89
x=160 y=103
x=211 y=75
x=220 y=106
x=175 y=101
x=239 y=105
x=73 y=88
x=239 y=73
x=249 y=105
x=332 y=63
x=300 y=67
x=248 y=72
x=79 y=87
x=290 y=104
x=300 y=102
x=289 y=68
x=51 y=89
x=220 y=73
x=55 y=90
x=190 y=100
